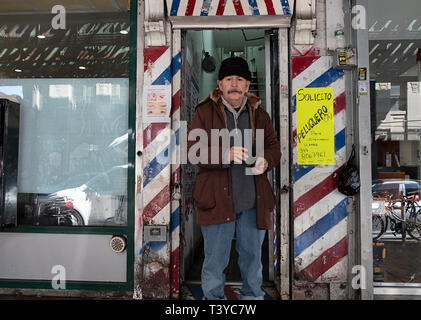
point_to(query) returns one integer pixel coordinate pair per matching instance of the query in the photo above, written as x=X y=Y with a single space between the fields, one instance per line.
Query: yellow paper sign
x=315 y=128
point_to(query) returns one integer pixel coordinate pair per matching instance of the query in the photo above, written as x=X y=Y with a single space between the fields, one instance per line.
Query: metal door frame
x=282 y=277
x=364 y=250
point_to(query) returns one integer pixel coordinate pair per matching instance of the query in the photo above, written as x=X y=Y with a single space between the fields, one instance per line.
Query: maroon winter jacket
x=212 y=188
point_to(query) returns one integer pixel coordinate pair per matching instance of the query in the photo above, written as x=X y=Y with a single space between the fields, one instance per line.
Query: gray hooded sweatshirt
x=243 y=186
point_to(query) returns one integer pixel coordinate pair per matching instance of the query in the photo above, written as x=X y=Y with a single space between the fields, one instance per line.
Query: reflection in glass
x=73 y=89
x=394 y=42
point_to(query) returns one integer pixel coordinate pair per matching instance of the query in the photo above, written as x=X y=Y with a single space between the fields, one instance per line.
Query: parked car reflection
x=395 y=188
x=390 y=193
x=94 y=203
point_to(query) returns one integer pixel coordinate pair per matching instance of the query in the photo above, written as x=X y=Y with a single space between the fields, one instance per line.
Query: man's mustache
x=235 y=90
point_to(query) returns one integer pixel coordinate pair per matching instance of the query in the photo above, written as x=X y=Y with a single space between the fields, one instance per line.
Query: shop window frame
x=128 y=230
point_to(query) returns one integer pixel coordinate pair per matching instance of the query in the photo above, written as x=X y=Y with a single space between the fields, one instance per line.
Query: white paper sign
x=156 y=103
x=60 y=91
x=363 y=88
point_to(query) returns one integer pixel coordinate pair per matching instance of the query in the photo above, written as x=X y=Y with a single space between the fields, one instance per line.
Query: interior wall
x=219 y=44
x=408 y=153
x=205 y=40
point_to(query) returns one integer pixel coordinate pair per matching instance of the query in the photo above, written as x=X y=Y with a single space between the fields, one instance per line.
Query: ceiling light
x=408 y=47
x=374 y=49
x=18 y=70
x=41 y=36
x=124 y=32
x=82 y=68
x=396 y=49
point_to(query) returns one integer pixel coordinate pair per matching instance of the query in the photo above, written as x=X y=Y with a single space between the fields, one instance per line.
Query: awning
x=229 y=13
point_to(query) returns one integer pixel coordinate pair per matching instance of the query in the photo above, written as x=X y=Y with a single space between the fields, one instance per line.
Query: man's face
x=233 y=89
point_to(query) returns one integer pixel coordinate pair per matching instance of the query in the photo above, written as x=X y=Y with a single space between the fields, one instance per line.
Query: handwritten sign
x=315 y=127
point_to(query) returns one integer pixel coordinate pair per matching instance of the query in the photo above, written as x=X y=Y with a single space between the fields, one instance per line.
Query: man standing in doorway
x=232 y=194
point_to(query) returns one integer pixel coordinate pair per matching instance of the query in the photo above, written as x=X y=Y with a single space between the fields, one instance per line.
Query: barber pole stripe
x=175 y=241
x=159 y=142
x=175 y=166
x=195 y=8
x=320 y=210
x=204 y=11
x=275 y=242
x=238 y=7
x=285 y=7
x=157 y=137
x=254 y=7
x=328 y=259
x=156 y=173
x=221 y=7
x=269 y=7
x=190 y=7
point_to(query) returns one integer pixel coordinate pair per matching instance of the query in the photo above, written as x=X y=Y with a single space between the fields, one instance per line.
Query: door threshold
x=191 y=290
x=228 y=283
x=393 y=288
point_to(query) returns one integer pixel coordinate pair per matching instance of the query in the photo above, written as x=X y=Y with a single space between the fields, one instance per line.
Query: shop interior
x=203 y=52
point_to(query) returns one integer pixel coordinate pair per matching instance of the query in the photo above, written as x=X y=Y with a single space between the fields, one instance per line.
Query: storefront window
x=72 y=85
x=395 y=57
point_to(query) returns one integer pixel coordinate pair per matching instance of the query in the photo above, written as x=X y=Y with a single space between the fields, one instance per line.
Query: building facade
x=96 y=183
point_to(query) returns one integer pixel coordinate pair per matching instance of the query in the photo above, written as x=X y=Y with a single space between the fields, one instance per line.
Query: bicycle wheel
x=414 y=225
x=379 y=226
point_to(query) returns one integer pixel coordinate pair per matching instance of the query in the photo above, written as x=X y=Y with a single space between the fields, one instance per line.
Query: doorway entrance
x=202 y=52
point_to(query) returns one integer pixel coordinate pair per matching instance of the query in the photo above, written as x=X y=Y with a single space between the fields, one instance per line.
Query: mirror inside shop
x=395 y=87
x=72 y=86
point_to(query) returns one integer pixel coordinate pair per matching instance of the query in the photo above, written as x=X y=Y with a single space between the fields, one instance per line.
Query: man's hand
x=237 y=154
x=260 y=166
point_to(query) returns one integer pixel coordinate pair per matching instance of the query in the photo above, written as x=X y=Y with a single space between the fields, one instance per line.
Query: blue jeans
x=217 y=242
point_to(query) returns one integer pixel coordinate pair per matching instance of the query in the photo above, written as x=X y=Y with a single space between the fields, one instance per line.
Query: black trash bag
x=348 y=177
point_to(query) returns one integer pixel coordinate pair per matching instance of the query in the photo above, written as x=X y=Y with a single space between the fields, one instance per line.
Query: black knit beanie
x=234 y=66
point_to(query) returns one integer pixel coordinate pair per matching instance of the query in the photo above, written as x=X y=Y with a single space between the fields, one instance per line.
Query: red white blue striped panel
x=175 y=167
x=203 y=8
x=320 y=210
x=161 y=68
